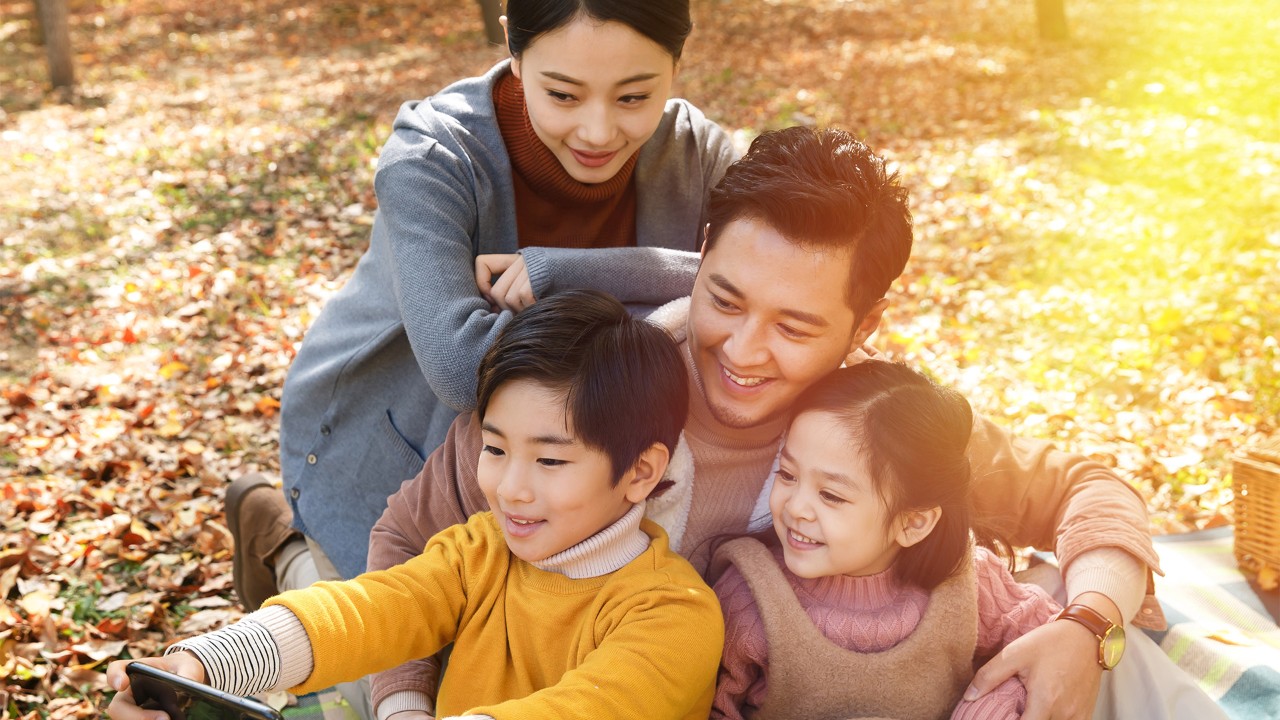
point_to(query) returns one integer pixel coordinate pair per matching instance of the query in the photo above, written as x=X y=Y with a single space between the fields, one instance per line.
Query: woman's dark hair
x=914 y=436
x=823 y=188
x=624 y=381
x=666 y=22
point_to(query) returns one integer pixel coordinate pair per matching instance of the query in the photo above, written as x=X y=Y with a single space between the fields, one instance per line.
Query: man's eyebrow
x=808 y=318
x=639 y=77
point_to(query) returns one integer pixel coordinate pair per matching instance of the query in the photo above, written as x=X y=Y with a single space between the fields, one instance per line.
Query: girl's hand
x=123 y=706
x=512 y=290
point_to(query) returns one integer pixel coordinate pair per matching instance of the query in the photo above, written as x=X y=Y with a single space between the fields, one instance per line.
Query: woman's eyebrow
x=561 y=77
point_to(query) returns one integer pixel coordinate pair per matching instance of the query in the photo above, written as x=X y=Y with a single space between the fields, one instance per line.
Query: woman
x=563 y=167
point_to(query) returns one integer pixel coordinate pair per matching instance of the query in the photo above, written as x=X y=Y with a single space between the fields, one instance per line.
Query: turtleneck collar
x=605 y=552
x=535 y=163
x=868 y=592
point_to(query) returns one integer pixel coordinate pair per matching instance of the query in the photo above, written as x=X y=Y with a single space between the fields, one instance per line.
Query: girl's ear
x=915 y=525
x=645 y=473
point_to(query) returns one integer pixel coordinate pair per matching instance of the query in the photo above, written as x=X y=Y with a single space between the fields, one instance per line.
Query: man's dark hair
x=623 y=378
x=666 y=22
x=823 y=188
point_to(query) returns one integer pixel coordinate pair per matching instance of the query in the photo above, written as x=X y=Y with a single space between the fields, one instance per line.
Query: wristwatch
x=1110 y=636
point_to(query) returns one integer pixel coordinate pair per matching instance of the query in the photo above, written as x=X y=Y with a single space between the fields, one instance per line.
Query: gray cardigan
x=392 y=358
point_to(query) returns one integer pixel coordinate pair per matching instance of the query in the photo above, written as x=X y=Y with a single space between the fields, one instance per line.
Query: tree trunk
x=1051 y=15
x=491 y=10
x=57 y=41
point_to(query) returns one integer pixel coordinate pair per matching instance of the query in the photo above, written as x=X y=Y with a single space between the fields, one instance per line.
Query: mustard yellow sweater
x=641 y=642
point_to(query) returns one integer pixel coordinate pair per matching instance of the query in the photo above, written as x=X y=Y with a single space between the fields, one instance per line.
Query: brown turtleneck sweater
x=553 y=209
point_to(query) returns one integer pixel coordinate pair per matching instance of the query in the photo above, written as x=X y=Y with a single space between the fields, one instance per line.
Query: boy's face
x=547 y=490
x=826 y=509
x=768 y=318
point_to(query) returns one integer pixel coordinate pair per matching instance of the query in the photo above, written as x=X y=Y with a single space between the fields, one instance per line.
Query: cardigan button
x=311 y=459
x=324 y=430
x=294 y=493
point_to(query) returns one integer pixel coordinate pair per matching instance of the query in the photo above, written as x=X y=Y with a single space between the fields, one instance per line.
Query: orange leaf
x=267 y=405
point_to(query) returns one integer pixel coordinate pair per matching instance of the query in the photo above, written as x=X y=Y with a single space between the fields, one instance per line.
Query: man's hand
x=1058 y=664
x=512 y=290
x=123 y=706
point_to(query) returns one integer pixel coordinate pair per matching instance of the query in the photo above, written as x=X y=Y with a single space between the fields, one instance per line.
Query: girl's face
x=595 y=92
x=826 y=510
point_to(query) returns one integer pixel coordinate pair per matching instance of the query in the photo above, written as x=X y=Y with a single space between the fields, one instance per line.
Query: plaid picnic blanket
x=1222 y=631
x=1222 y=628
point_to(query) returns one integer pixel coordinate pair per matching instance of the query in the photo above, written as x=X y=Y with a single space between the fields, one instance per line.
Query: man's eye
x=793 y=333
x=722 y=303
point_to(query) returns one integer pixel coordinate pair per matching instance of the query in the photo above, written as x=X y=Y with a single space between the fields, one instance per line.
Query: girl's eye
x=552 y=462
x=833 y=499
x=785 y=477
x=633 y=99
x=491 y=450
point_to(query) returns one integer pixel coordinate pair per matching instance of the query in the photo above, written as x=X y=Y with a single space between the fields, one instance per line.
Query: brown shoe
x=258 y=518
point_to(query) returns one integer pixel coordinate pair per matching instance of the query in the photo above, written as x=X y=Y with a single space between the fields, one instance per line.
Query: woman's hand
x=512 y=290
x=123 y=706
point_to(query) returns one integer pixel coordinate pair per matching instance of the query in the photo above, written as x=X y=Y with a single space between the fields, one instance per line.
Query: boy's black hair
x=624 y=381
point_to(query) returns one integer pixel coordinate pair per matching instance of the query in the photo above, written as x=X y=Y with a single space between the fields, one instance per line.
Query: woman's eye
x=559 y=96
x=491 y=450
x=633 y=99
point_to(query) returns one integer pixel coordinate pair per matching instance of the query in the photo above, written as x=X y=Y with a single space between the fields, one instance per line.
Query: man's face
x=768 y=318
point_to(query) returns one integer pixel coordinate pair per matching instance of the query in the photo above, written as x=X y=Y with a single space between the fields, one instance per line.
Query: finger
x=1038 y=708
x=989 y=676
x=117 y=678
x=501 y=292
x=124 y=707
x=489 y=266
x=520 y=296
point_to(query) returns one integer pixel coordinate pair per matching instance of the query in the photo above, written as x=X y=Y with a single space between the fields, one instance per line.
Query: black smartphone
x=183 y=699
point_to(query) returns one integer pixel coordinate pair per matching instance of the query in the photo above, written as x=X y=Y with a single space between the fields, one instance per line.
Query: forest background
x=1098 y=240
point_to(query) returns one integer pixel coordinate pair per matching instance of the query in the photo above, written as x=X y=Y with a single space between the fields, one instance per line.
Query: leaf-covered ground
x=1098 y=246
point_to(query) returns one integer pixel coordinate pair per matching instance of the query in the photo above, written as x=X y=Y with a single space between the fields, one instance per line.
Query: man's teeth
x=802 y=538
x=743 y=381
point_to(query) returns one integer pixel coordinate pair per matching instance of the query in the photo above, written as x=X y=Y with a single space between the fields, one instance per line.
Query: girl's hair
x=914 y=437
x=666 y=22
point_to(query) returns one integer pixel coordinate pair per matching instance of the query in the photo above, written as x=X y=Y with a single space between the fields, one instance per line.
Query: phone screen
x=183 y=699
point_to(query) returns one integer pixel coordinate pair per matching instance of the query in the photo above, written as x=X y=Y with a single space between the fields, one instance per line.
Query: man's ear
x=645 y=473
x=869 y=324
x=915 y=525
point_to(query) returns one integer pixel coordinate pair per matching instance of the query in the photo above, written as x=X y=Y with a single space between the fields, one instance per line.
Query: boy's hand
x=123 y=706
x=512 y=290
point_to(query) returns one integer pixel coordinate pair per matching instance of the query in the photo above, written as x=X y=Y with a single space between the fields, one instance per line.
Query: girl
x=871 y=575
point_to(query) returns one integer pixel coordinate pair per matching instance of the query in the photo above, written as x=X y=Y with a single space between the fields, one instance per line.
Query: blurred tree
x=56 y=32
x=1051 y=15
x=492 y=10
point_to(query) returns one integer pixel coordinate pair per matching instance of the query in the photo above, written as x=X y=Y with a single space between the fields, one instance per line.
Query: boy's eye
x=552 y=462
x=491 y=450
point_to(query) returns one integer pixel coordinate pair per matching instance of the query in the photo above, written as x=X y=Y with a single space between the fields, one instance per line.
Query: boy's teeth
x=524 y=522
x=746 y=382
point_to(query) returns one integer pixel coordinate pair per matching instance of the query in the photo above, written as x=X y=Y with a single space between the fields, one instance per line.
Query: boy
x=562 y=601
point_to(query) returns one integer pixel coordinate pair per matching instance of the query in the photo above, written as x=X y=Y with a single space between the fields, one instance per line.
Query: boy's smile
x=546 y=488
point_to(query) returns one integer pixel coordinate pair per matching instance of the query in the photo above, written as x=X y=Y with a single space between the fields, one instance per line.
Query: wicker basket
x=1256 y=484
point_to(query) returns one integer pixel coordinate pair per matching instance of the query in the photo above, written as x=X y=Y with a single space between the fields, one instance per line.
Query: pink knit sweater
x=871 y=614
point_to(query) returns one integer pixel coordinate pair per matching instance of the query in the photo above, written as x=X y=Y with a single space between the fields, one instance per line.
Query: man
x=805 y=235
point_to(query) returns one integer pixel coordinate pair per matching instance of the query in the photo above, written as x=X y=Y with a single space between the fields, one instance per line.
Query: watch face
x=1112 y=647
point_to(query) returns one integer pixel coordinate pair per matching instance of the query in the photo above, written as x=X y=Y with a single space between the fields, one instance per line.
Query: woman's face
x=596 y=92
